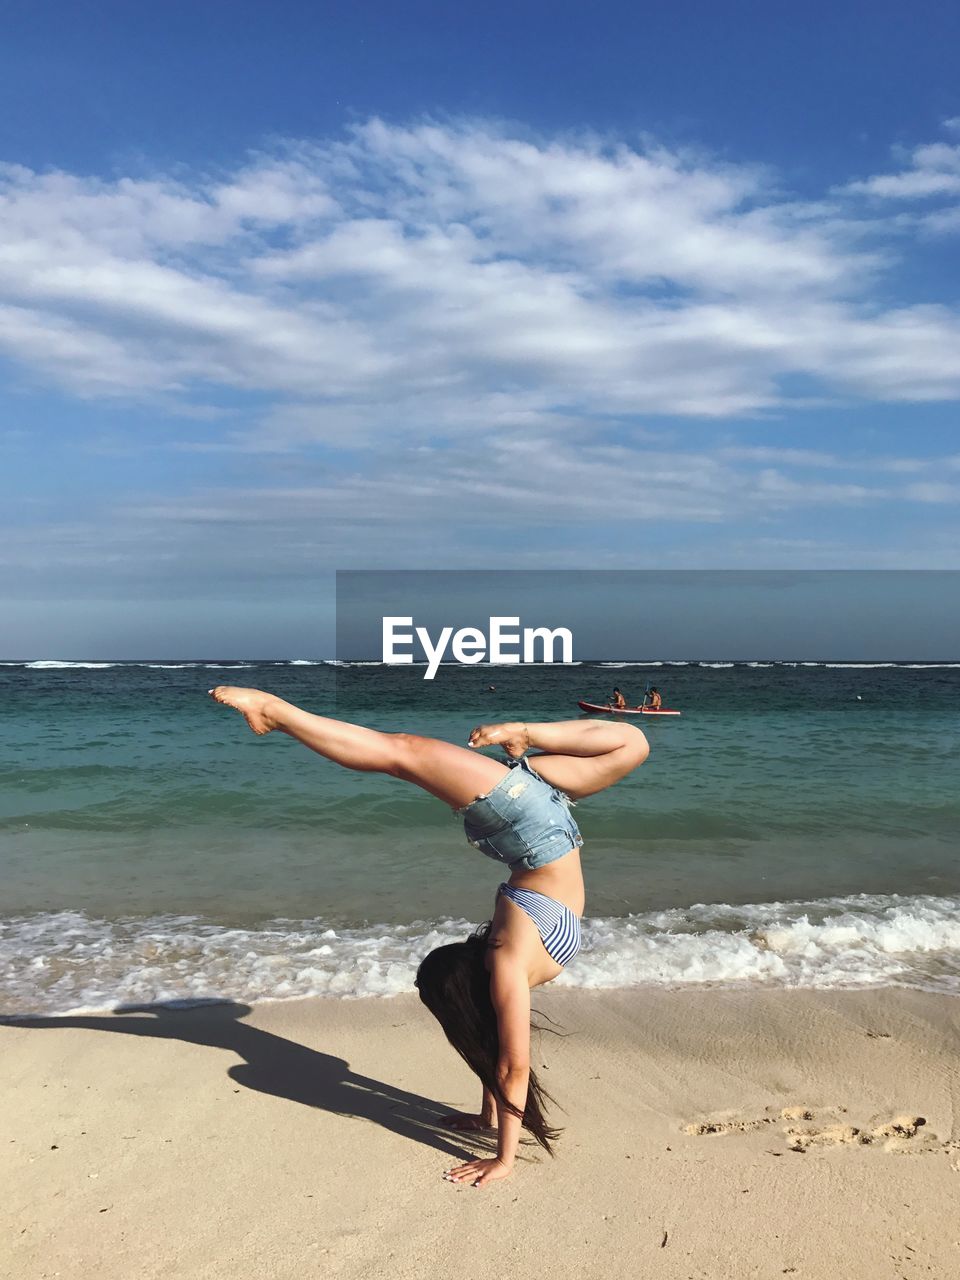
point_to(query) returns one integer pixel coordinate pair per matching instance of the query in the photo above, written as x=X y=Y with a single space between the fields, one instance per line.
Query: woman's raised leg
x=451 y=773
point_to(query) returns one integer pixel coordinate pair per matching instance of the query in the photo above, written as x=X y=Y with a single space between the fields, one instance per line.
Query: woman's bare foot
x=468 y=1123
x=514 y=737
x=254 y=705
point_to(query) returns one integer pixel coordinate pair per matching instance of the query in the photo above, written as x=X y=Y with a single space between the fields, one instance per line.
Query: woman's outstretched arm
x=510 y=994
x=580 y=757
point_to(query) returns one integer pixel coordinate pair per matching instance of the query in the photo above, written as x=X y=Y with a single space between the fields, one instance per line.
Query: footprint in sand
x=732 y=1122
x=805 y=1127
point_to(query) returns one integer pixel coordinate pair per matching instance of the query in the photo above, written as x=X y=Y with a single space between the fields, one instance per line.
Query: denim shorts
x=523 y=821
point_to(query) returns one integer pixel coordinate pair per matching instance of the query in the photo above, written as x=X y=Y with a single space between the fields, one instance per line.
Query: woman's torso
x=561 y=880
x=526 y=823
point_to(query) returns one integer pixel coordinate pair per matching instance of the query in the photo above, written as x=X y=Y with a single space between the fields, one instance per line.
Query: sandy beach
x=708 y=1133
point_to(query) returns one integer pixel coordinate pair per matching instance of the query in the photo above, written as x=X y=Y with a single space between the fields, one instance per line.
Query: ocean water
x=797 y=825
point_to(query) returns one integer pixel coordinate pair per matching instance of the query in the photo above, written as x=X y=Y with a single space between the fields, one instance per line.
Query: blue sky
x=297 y=287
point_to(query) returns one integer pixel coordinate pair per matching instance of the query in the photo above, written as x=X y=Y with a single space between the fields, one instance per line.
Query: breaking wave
x=67 y=961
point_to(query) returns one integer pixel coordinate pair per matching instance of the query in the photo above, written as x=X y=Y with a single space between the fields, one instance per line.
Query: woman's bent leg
x=580 y=757
x=452 y=774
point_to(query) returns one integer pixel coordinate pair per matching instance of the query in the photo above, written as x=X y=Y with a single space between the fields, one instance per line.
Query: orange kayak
x=608 y=710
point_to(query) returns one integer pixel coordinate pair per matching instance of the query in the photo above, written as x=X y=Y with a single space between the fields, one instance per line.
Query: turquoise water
x=142 y=825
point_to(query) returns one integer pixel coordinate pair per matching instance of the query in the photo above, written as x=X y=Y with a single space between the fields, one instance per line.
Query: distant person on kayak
x=619 y=701
x=516 y=813
x=655 y=701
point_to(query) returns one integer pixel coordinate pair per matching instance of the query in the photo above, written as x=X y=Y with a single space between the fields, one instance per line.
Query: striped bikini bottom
x=558 y=927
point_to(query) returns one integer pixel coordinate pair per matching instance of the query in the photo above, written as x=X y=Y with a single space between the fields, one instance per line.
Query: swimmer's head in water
x=454 y=984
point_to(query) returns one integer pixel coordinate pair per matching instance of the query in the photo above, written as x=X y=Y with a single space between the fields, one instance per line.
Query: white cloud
x=92 y=362
x=405 y=282
x=511 y=500
x=934 y=492
x=932 y=172
x=912 y=184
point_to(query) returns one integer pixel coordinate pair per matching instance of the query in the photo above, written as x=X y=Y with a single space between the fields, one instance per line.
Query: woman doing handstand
x=479 y=990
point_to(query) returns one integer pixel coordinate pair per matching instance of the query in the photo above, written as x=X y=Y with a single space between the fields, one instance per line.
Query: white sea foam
x=44 y=664
x=67 y=961
x=361 y=662
x=374 y=662
x=843 y=942
x=576 y=662
x=51 y=664
x=876 y=666
x=630 y=664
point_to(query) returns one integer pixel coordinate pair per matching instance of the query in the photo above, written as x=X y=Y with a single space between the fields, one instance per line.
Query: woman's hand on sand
x=513 y=736
x=479 y=1172
x=467 y=1123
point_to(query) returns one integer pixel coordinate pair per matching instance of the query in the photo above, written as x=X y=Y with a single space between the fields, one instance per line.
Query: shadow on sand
x=275 y=1065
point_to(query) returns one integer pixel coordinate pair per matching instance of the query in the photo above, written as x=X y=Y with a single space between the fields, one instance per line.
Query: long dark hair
x=454 y=984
